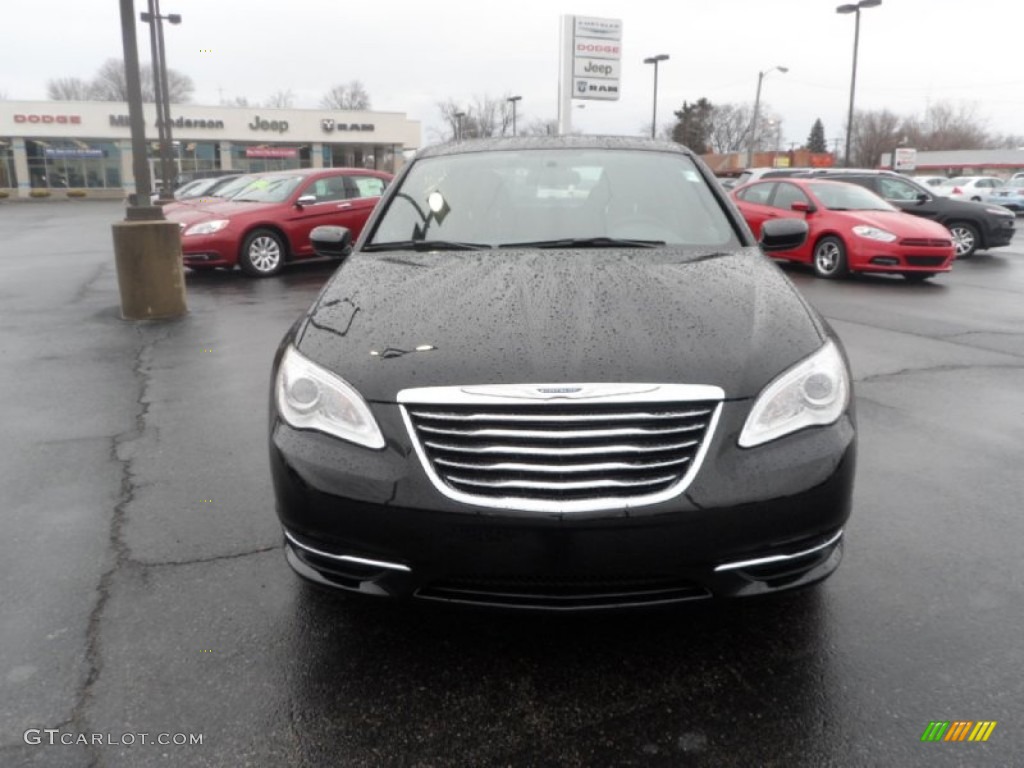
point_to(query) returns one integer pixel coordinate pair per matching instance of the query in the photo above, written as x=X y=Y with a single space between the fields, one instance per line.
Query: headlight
x=207 y=227
x=874 y=233
x=815 y=391
x=310 y=397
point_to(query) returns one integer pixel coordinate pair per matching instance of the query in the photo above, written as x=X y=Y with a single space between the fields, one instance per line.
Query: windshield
x=268 y=189
x=837 y=196
x=547 y=196
x=235 y=186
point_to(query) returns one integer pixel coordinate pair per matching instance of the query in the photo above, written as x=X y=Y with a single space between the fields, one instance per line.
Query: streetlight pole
x=854 y=8
x=655 y=60
x=514 y=99
x=161 y=91
x=757 y=111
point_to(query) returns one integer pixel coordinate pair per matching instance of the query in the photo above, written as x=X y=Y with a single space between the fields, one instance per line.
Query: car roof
x=552 y=142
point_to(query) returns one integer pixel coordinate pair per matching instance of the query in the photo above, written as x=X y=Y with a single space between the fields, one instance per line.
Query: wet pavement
x=143 y=589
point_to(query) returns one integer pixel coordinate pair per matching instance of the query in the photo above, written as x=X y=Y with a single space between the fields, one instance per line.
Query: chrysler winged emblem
x=327 y=124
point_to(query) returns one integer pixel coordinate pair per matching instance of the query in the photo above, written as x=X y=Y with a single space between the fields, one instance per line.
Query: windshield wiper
x=427 y=245
x=586 y=242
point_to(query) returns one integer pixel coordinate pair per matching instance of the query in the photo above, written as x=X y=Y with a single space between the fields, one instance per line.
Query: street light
x=757 y=110
x=161 y=92
x=458 y=130
x=854 y=8
x=514 y=99
x=654 y=60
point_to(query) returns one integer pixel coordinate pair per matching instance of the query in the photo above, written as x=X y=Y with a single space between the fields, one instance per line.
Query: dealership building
x=51 y=148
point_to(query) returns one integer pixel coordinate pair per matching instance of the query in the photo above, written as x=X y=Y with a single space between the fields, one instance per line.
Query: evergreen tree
x=693 y=128
x=816 y=141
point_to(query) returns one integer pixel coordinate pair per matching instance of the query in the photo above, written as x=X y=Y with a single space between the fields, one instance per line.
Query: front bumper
x=209 y=250
x=1000 y=233
x=753 y=521
x=874 y=256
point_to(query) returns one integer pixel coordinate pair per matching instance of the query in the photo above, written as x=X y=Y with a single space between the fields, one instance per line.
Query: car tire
x=263 y=253
x=829 y=258
x=917 y=277
x=965 y=238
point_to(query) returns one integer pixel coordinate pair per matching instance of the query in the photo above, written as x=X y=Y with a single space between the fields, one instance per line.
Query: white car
x=930 y=181
x=969 y=187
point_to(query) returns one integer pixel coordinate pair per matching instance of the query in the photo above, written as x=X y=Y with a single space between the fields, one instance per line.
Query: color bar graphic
x=958 y=730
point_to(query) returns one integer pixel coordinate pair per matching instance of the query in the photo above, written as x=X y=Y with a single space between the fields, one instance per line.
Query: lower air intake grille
x=561 y=454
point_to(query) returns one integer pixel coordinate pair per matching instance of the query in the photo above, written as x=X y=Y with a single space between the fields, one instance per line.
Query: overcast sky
x=411 y=55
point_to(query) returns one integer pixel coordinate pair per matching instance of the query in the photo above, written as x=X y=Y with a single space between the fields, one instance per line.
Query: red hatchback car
x=851 y=228
x=267 y=223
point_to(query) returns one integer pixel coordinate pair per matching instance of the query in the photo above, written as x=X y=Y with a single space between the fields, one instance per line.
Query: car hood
x=900 y=223
x=390 y=321
x=224 y=209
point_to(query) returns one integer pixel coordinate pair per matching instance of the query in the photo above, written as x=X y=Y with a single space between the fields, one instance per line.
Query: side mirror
x=922 y=198
x=305 y=200
x=803 y=207
x=331 y=242
x=783 y=234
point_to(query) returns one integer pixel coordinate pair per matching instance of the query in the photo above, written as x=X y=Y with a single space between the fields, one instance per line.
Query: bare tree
x=237 y=101
x=542 y=127
x=959 y=127
x=351 y=96
x=730 y=127
x=110 y=83
x=69 y=89
x=283 y=99
x=875 y=132
x=484 y=116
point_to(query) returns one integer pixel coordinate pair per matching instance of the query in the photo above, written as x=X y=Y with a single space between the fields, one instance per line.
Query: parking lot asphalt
x=143 y=589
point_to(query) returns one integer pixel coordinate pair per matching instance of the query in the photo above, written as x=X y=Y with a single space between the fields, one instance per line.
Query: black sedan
x=559 y=373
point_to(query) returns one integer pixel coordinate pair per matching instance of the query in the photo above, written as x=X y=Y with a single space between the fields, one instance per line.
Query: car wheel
x=262 y=253
x=965 y=238
x=830 y=258
x=917 y=277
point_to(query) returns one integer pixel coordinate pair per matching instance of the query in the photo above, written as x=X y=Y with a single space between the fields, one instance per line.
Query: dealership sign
x=68 y=153
x=329 y=125
x=123 y=121
x=596 y=52
x=271 y=152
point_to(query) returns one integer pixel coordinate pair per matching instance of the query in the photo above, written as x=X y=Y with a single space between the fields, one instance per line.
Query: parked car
x=1010 y=195
x=975 y=188
x=754 y=174
x=205 y=188
x=851 y=229
x=267 y=222
x=974 y=226
x=930 y=181
x=511 y=397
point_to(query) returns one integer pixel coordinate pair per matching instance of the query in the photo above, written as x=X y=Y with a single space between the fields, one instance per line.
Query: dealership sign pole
x=589 y=65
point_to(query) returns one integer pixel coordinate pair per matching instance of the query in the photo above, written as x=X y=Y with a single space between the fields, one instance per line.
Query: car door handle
x=344 y=205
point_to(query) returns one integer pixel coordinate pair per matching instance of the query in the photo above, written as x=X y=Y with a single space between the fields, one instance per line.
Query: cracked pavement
x=143 y=590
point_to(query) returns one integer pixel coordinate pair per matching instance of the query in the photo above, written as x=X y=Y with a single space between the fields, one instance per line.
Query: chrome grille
x=561 y=453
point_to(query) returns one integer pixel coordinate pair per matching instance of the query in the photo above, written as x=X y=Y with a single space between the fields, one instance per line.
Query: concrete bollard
x=150 y=277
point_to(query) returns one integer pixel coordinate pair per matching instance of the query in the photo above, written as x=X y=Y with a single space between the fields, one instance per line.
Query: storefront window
x=7 y=177
x=73 y=163
x=378 y=156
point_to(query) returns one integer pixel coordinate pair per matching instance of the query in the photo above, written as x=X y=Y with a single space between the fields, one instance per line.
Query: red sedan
x=268 y=223
x=851 y=228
